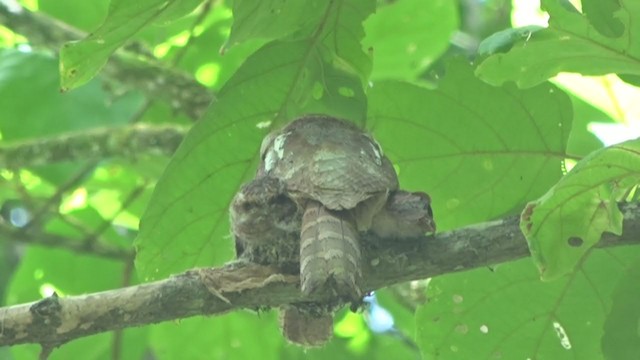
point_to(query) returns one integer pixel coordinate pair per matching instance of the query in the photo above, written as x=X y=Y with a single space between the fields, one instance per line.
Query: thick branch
x=125 y=141
x=54 y=321
x=130 y=68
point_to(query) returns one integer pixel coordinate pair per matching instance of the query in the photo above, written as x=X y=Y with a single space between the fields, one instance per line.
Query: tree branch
x=131 y=67
x=124 y=141
x=54 y=321
x=61 y=242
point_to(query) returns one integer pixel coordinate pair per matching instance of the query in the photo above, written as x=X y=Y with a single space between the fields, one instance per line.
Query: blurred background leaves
x=403 y=69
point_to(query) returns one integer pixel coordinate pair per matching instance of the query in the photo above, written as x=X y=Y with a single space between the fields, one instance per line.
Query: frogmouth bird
x=320 y=184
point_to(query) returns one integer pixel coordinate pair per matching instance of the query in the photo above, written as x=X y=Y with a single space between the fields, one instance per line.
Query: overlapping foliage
x=485 y=136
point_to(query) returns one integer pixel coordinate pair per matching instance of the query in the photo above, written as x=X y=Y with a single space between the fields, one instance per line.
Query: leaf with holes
x=570 y=218
x=80 y=61
x=186 y=222
x=507 y=313
x=479 y=151
x=591 y=44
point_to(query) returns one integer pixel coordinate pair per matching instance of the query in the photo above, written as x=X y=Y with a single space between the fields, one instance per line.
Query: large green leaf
x=508 y=313
x=81 y=61
x=345 y=34
x=87 y=15
x=478 y=150
x=233 y=336
x=274 y=19
x=186 y=223
x=621 y=338
x=572 y=43
x=570 y=218
x=409 y=35
x=602 y=15
x=336 y=25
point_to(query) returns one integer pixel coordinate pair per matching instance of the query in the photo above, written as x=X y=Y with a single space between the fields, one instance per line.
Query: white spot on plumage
x=275 y=152
x=270 y=160
x=278 y=144
x=377 y=152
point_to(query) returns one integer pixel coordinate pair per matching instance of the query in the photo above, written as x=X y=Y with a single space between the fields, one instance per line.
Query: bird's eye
x=246 y=207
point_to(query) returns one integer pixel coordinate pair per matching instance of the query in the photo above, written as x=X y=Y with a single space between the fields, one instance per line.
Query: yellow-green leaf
x=570 y=218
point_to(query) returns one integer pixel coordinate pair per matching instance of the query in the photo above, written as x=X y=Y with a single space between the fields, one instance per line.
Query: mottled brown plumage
x=321 y=182
x=405 y=215
x=340 y=179
x=266 y=224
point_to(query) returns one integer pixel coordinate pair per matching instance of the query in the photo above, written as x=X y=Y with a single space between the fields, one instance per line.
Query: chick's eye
x=281 y=200
x=246 y=207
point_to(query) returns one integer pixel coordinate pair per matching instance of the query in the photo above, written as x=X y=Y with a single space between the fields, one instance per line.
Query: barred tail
x=329 y=252
x=304 y=329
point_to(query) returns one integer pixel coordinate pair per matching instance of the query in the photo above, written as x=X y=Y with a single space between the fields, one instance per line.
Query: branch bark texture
x=53 y=321
x=124 y=141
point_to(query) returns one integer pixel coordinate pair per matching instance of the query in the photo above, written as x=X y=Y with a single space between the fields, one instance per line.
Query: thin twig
x=129 y=142
x=106 y=224
x=61 y=242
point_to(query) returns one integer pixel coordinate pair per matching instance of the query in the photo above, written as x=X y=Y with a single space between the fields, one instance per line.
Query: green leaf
x=86 y=15
x=621 y=338
x=602 y=14
x=233 y=336
x=62 y=270
x=582 y=141
x=508 y=313
x=24 y=74
x=505 y=39
x=198 y=57
x=479 y=151
x=273 y=19
x=186 y=223
x=331 y=91
x=409 y=35
x=81 y=61
x=68 y=274
x=343 y=33
x=337 y=27
x=630 y=79
x=570 y=218
x=572 y=43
